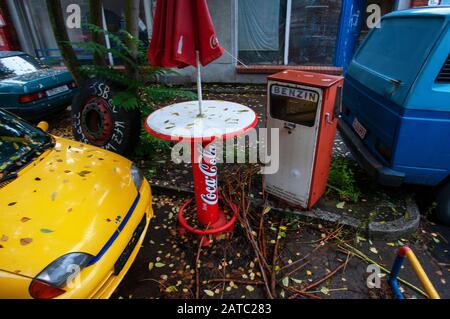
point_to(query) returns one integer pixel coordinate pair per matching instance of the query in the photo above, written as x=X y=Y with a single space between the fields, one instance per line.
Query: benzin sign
x=295 y=93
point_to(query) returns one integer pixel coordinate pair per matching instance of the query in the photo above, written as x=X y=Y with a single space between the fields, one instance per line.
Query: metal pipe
x=199 y=84
x=287 y=31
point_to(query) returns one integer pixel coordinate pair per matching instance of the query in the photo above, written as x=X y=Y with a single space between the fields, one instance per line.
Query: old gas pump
x=304 y=107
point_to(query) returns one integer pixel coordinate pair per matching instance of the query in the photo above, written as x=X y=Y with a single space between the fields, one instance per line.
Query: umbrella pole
x=199 y=84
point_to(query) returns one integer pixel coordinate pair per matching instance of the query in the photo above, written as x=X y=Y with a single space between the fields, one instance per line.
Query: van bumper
x=382 y=174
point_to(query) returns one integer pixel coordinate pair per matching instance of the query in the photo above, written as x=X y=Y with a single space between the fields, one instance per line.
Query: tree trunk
x=96 y=18
x=132 y=27
x=62 y=38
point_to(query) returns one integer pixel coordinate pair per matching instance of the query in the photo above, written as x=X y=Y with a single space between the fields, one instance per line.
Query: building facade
x=259 y=36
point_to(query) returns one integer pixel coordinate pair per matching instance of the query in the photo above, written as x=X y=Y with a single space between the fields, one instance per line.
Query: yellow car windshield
x=19 y=143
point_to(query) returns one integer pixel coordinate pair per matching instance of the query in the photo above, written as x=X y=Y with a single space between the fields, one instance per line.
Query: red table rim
x=200 y=139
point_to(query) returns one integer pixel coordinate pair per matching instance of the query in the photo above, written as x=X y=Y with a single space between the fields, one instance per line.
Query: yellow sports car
x=72 y=216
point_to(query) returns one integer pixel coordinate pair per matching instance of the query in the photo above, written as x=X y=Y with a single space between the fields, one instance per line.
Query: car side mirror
x=43 y=126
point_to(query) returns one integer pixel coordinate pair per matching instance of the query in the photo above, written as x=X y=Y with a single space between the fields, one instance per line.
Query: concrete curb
x=400 y=227
x=392 y=230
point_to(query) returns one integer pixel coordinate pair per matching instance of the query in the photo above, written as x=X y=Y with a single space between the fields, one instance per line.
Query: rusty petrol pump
x=304 y=107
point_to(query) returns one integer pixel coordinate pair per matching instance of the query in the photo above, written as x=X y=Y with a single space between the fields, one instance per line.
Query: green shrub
x=341 y=180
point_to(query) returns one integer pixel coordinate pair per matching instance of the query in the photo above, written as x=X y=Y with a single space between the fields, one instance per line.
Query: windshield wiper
x=8 y=177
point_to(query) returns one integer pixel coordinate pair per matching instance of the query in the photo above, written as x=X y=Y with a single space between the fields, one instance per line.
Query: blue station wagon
x=31 y=89
x=396 y=102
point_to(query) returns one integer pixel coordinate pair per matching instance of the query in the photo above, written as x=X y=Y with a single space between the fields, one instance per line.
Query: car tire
x=443 y=204
x=97 y=121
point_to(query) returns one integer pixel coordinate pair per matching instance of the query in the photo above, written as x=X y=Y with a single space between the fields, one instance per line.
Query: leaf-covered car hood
x=66 y=201
x=34 y=81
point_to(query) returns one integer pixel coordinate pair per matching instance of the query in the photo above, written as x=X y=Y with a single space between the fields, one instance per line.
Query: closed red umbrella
x=183 y=34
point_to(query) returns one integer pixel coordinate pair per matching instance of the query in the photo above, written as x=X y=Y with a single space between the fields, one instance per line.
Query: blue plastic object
x=352 y=17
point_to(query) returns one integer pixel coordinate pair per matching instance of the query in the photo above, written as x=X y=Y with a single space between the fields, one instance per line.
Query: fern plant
x=140 y=90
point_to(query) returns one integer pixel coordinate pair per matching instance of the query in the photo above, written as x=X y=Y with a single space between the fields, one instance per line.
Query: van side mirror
x=43 y=126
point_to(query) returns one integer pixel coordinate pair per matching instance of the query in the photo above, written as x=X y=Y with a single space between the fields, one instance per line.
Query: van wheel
x=443 y=204
x=97 y=121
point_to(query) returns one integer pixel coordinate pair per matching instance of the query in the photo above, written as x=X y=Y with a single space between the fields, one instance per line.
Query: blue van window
x=398 y=48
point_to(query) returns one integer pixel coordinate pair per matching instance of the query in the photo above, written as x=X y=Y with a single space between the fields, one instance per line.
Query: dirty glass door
x=314 y=27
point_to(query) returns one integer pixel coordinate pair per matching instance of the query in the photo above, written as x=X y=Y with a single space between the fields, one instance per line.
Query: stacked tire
x=97 y=121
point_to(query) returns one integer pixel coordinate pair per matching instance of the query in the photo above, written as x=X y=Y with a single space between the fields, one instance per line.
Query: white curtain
x=258 y=25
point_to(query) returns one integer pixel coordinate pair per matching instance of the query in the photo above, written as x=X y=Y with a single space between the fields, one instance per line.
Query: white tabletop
x=220 y=119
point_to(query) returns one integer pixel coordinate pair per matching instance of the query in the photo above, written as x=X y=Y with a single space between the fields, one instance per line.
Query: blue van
x=396 y=102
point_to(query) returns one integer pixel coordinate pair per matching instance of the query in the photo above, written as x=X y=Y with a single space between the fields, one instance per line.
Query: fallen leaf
x=4 y=238
x=25 y=241
x=249 y=288
x=159 y=265
x=391 y=244
x=25 y=219
x=84 y=173
x=53 y=196
x=171 y=289
x=374 y=250
x=285 y=281
x=12 y=203
x=297 y=281
x=325 y=290
x=209 y=292
x=308 y=273
x=340 y=205
x=46 y=231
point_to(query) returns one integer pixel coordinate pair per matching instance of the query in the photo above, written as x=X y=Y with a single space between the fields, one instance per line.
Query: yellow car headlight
x=51 y=281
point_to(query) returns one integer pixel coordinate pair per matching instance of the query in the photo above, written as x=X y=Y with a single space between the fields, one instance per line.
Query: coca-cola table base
x=219 y=120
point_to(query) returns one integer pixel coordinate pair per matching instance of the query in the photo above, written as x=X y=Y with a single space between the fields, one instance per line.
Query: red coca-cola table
x=219 y=120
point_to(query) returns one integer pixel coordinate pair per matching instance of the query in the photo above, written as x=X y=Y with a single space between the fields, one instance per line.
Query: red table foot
x=222 y=227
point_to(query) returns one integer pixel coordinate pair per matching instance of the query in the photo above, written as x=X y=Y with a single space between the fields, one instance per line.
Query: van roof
x=440 y=11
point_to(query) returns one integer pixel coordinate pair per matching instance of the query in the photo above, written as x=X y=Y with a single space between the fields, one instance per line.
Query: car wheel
x=443 y=204
x=97 y=121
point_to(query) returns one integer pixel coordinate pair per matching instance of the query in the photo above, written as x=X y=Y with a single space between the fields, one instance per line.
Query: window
x=399 y=48
x=293 y=105
x=313 y=31
x=288 y=31
x=261 y=31
x=18 y=65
